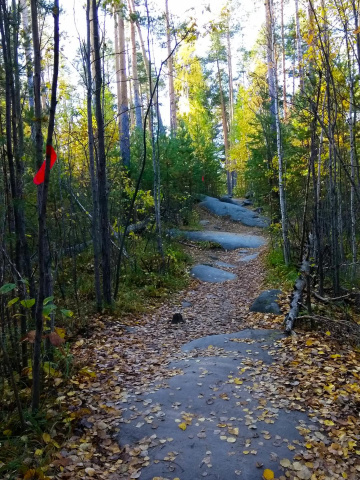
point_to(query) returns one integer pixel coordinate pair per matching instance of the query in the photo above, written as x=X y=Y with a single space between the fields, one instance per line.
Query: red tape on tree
x=40 y=176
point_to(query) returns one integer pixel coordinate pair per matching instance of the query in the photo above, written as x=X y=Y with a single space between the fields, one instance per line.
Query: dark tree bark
x=43 y=194
x=94 y=189
x=101 y=171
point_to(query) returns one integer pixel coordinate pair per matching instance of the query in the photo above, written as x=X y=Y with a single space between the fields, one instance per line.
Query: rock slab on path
x=248 y=258
x=236 y=212
x=267 y=302
x=201 y=423
x=205 y=273
x=229 y=241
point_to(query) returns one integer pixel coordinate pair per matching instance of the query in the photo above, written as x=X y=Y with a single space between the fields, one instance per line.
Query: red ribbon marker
x=40 y=176
x=202 y=178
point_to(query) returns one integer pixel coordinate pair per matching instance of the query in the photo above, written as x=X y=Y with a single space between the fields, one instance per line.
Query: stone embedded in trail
x=224 y=265
x=267 y=302
x=206 y=273
x=186 y=304
x=214 y=416
x=229 y=241
x=236 y=212
x=247 y=258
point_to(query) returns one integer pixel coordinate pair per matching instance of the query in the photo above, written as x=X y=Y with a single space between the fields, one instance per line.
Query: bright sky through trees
x=249 y=15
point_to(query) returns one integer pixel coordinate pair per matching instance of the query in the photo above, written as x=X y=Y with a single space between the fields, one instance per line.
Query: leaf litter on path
x=311 y=373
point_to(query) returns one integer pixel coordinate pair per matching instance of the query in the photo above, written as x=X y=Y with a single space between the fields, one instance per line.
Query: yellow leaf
x=268 y=474
x=38 y=452
x=182 y=426
x=238 y=381
x=46 y=437
x=329 y=423
x=344 y=475
x=329 y=388
x=87 y=371
x=7 y=432
x=335 y=356
x=328 y=333
x=246 y=452
x=60 y=331
x=309 y=343
x=49 y=370
x=285 y=462
x=231 y=440
x=308 y=445
x=356 y=31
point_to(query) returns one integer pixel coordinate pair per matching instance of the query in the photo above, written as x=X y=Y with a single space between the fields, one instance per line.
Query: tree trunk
x=147 y=68
x=28 y=53
x=225 y=131
x=117 y=63
x=43 y=198
x=101 y=171
x=283 y=209
x=124 y=103
x=283 y=60
x=353 y=164
x=297 y=296
x=135 y=74
x=155 y=153
x=94 y=189
x=170 y=63
x=270 y=62
x=299 y=45
x=356 y=20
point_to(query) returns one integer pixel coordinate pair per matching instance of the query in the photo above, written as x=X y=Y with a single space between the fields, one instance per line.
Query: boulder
x=235 y=212
x=211 y=274
x=267 y=302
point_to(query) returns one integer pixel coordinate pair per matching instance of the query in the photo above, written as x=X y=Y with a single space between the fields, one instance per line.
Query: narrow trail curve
x=156 y=408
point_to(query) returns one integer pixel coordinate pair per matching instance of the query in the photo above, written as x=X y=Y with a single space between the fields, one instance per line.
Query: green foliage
x=277 y=273
x=147 y=280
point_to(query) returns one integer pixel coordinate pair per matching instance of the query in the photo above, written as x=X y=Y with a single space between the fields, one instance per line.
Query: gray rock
x=231 y=200
x=247 y=258
x=229 y=241
x=204 y=222
x=130 y=329
x=236 y=212
x=197 y=391
x=186 y=304
x=267 y=302
x=246 y=203
x=211 y=274
x=225 y=265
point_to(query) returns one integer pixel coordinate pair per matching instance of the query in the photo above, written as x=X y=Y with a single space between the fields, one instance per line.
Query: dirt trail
x=142 y=386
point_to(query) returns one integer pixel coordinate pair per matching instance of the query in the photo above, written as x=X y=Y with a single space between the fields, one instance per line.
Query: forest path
x=213 y=397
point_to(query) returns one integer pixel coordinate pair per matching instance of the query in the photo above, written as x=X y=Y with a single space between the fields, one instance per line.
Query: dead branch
x=329 y=300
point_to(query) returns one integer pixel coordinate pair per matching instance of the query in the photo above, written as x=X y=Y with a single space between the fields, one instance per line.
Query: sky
x=251 y=14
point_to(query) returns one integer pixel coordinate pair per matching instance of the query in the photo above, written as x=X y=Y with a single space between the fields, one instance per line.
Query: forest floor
x=133 y=364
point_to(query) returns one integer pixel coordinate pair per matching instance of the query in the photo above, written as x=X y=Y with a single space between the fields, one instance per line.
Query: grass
x=277 y=273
